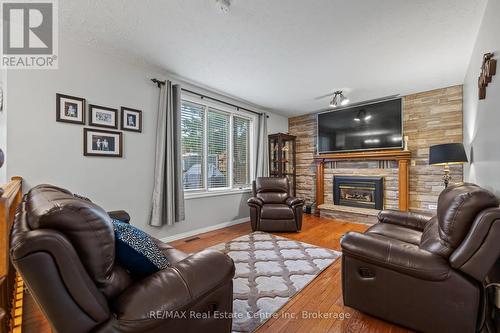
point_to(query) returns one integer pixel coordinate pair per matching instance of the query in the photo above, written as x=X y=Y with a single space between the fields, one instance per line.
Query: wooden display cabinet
x=282 y=158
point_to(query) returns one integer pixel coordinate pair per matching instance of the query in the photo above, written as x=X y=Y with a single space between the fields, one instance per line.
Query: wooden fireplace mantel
x=402 y=156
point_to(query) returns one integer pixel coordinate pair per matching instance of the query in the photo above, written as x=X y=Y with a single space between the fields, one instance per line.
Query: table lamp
x=446 y=154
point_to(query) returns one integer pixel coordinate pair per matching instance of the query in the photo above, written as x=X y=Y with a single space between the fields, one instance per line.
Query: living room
x=264 y=166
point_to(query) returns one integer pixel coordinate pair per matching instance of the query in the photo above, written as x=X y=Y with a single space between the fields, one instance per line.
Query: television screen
x=365 y=127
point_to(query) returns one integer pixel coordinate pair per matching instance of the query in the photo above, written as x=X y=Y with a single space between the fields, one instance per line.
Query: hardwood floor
x=322 y=295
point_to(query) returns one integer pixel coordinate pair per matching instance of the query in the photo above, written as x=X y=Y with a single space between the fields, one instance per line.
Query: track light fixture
x=339 y=99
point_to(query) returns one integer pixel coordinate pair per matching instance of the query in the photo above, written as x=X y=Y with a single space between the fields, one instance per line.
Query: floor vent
x=191 y=239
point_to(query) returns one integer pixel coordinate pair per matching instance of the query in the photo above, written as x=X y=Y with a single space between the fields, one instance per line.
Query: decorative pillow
x=136 y=251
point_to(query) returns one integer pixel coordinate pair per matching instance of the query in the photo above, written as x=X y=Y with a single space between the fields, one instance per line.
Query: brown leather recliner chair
x=272 y=208
x=64 y=248
x=426 y=273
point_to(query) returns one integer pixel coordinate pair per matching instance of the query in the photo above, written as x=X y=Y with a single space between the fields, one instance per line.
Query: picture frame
x=131 y=119
x=103 y=143
x=70 y=109
x=101 y=116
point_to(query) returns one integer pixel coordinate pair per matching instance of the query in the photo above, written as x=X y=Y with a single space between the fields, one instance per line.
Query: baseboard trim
x=203 y=230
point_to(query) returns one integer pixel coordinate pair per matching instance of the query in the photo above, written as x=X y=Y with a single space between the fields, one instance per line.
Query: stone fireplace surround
x=388 y=170
x=391 y=165
x=429 y=118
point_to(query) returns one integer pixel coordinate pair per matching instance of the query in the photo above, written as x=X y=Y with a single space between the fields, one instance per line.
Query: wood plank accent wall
x=431 y=117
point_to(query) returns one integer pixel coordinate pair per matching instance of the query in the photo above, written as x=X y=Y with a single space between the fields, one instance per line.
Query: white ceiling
x=284 y=54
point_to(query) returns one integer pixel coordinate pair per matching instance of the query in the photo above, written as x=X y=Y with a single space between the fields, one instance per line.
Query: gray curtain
x=168 y=192
x=262 y=167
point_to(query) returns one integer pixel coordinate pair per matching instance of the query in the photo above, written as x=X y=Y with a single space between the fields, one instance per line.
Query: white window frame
x=205 y=191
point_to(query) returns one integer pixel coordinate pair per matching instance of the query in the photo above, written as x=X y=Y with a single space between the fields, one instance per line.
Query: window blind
x=241 y=156
x=192 y=137
x=218 y=146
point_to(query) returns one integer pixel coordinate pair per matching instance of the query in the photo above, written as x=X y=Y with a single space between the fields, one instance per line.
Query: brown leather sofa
x=272 y=208
x=424 y=273
x=64 y=249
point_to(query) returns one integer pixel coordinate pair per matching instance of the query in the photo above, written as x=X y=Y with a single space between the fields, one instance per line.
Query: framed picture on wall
x=70 y=109
x=101 y=116
x=131 y=120
x=102 y=143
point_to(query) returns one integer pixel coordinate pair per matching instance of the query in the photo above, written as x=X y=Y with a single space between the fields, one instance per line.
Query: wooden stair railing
x=11 y=284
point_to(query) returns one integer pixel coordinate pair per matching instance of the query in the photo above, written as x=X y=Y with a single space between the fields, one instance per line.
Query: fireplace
x=365 y=192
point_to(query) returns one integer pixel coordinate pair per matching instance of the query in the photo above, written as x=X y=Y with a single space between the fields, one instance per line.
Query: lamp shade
x=447 y=153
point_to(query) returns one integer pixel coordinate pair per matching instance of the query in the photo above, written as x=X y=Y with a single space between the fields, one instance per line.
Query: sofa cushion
x=404 y=234
x=278 y=225
x=277 y=212
x=136 y=251
x=432 y=242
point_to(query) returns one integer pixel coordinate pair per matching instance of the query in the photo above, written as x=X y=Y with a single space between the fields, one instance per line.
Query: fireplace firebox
x=364 y=192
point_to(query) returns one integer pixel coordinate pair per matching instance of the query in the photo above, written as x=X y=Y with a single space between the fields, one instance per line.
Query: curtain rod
x=160 y=83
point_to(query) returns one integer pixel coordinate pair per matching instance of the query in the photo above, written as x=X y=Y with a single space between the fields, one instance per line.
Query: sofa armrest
x=405 y=219
x=176 y=287
x=292 y=202
x=120 y=215
x=205 y=271
x=402 y=257
x=254 y=201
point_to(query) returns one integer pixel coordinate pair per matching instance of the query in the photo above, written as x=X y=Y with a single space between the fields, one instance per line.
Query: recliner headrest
x=87 y=226
x=271 y=184
x=458 y=206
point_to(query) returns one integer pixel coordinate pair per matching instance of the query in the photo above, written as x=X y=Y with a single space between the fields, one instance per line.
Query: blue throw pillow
x=136 y=251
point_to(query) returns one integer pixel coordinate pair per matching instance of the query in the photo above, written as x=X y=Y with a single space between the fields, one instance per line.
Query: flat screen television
x=364 y=127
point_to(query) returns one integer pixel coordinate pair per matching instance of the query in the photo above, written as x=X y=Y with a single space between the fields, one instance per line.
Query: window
x=216 y=147
x=192 y=134
x=241 y=156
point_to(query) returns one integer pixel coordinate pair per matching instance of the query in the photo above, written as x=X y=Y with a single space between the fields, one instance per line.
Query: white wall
x=277 y=123
x=482 y=118
x=45 y=151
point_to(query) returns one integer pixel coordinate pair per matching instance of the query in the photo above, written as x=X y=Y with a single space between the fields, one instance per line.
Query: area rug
x=270 y=270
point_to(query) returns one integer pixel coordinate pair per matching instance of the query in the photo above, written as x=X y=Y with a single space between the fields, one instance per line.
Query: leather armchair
x=63 y=247
x=426 y=273
x=272 y=208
